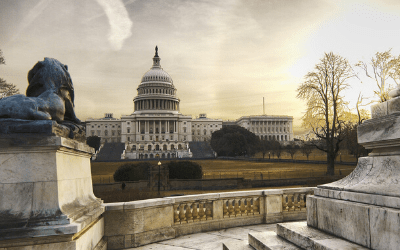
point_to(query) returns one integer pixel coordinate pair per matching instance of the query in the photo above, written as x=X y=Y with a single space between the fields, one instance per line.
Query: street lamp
x=159 y=173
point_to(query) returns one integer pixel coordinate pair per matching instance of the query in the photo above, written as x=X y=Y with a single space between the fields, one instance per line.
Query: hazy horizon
x=223 y=56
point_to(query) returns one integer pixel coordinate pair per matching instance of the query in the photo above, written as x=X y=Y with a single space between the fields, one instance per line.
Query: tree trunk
x=330 y=170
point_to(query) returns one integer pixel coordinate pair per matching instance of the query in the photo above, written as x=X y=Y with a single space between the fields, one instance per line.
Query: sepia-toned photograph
x=199 y=124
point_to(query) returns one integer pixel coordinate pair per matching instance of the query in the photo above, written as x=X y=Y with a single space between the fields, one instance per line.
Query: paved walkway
x=210 y=240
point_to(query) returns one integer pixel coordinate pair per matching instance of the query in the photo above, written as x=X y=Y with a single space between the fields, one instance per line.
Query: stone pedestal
x=46 y=195
x=364 y=207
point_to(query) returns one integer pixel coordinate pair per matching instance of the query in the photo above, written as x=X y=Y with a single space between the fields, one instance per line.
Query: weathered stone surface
x=379 y=110
x=39 y=128
x=234 y=244
x=147 y=237
x=309 y=238
x=385 y=228
x=45 y=187
x=393 y=105
x=348 y=220
x=381 y=177
x=312 y=218
x=134 y=221
x=382 y=132
x=269 y=240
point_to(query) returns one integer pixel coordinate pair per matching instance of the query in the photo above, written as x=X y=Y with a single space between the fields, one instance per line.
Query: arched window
x=149 y=147
x=179 y=146
x=164 y=147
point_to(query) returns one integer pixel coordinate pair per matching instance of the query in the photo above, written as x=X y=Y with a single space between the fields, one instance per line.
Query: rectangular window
x=128 y=130
x=142 y=138
x=129 y=139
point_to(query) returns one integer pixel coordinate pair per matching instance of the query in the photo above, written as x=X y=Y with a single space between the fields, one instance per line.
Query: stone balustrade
x=136 y=223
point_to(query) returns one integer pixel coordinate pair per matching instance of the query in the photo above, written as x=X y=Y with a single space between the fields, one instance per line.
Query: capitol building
x=156 y=128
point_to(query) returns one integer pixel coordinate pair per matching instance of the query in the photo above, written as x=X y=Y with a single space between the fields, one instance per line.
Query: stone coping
x=372 y=199
x=380 y=132
x=37 y=142
x=19 y=127
x=188 y=198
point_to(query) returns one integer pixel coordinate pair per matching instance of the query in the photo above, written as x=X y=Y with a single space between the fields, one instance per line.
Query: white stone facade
x=156 y=128
x=203 y=127
x=268 y=127
x=107 y=128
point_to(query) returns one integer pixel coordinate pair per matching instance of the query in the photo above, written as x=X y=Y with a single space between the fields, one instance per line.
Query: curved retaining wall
x=136 y=223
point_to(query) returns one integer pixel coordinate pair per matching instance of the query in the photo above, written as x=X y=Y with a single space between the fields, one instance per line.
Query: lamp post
x=159 y=173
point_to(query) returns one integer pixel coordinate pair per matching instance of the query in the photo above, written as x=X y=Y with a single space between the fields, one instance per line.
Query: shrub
x=132 y=172
x=184 y=170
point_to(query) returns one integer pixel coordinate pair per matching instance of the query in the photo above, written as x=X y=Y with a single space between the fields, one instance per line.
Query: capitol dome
x=156 y=73
x=156 y=91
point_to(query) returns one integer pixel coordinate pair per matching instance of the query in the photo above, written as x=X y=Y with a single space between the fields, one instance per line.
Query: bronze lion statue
x=49 y=96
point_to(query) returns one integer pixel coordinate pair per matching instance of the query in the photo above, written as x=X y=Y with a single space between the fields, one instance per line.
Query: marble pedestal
x=46 y=195
x=364 y=207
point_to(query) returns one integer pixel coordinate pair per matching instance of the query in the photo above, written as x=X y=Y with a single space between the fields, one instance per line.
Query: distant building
x=156 y=128
x=203 y=127
x=107 y=128
x=268 y=127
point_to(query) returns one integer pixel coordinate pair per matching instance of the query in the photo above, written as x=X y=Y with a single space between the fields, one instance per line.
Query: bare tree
x=292 y=149
x=307 y=149
x=384 y=67
x=6 y=89
x=322 y=90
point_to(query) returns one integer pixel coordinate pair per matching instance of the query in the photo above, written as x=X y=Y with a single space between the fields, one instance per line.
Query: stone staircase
x=111 y=151
x=294 y=235
x=201 y=149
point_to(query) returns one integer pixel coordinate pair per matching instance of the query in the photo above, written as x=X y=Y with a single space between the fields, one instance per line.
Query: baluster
x=290 y=202
x=243 y=207
x=230 y=208
x=298 y=206
x=209 y=211
x=237 y=208
x=302 y=202
x=249 y=206
x=202 y=213
x=225 y=208
x=182 y=215
x=195 y=213
x=176 y=214
x=189 y=216
x=256 y=206
x=285 y=206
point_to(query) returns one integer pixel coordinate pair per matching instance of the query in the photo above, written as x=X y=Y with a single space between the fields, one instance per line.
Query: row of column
x=156 y=104
x=146 y=128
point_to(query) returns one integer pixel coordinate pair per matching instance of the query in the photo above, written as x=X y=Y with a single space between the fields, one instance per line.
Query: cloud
x=119 y=21
x=31 y=16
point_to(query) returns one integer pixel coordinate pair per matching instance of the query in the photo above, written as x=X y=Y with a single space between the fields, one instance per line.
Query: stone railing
x=136 y=223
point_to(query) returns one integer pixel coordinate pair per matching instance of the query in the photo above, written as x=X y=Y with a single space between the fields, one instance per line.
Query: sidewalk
x=210 y=240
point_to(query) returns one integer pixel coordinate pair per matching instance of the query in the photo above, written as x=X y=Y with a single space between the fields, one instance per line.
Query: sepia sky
x=224 y=56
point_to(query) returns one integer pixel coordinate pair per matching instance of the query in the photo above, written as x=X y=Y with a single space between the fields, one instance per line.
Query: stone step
x=310 y=238
x=236 y=245
x=269 y=241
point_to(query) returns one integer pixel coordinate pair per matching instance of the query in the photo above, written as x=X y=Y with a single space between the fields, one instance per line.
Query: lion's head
x=50 y=74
